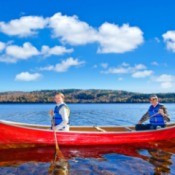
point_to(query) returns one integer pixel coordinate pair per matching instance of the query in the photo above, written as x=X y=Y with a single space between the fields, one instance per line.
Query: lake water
x=129 y=160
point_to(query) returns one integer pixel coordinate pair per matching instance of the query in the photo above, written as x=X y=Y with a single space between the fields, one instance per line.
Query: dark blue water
x=89 y=161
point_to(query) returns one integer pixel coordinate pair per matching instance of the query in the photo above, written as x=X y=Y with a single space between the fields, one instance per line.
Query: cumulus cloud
x=56 y=50
x=71 y=30
x=24 y=52
x=25 y=26
x=169 y=39
x=117 y=70
x=110 y=37
x=14 y=53
x=142 y=74
x=115 y=39
x=7 y=59
x=166 y=81
x=64 y=65
x=26 y=76
x=2 y=46
x=137 y=71
x=124 y=68
x=139 y=67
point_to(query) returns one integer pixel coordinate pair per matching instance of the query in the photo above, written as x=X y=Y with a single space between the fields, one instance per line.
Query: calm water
x=131 y=160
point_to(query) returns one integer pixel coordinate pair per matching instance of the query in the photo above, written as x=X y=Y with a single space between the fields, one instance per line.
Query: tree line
x=82 y=96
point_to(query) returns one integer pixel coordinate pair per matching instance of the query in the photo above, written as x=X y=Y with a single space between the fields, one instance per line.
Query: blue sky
x=70 y=44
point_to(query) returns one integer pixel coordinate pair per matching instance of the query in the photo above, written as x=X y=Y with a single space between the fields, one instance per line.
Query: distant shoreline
x=79 y=96
x=82 y=103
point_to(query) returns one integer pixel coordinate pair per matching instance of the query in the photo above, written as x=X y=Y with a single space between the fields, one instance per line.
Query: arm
x=144 y=118
x=164 y=113
x=51 y=113
x=65 y=117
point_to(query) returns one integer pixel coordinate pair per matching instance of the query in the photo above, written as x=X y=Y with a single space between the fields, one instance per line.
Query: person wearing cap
x=60 y=115
x=157 y=115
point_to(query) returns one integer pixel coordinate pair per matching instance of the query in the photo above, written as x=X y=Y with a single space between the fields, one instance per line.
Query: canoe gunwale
x=47 y=128
x=20 y=135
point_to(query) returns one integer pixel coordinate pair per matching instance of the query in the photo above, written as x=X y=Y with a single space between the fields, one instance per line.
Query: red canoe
x=21 y=134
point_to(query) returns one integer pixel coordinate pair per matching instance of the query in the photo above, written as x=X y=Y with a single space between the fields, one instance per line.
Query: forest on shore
x=82 y=96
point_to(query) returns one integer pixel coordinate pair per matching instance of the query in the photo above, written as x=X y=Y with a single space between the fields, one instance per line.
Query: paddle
x=57 y=149
x=154 y=115
x=141 y=126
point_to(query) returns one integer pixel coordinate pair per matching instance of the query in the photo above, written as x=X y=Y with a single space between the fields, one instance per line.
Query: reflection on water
x=154 y=158
x=59 y=167
x=161 y=161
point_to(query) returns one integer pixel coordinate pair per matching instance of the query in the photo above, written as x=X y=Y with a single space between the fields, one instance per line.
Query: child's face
x=58 y=99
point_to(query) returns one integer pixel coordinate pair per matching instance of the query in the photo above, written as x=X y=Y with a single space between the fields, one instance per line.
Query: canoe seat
x=99 y=129
x=129 y=129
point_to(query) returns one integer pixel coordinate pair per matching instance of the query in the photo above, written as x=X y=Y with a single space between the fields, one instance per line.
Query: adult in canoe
x=60 y=115
x=157 y=115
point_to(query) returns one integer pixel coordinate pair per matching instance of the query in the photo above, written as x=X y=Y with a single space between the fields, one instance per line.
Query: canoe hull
x=14 y=134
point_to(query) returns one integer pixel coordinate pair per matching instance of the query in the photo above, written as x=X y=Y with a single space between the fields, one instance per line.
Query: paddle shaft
x=55 y=136
x=58 y=151
x=154 y=115
x=56 y=141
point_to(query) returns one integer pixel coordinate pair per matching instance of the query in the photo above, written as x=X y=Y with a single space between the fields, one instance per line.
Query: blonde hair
x=61 y=94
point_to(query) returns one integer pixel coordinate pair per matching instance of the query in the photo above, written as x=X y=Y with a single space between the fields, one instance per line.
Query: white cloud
x=137 y=71
x=124 y=68
x=117 y=70
x=2 y=46
x=24 y=52
x=142 y=74
x=48 y=68
x=56 y=50
x=25 y=26
x=104 y=65
x=154 y=63
x=7 y=59
x=71 y=30
x=64 y=65
x=110 y=37
x=139 y=67
x=169 y=39
x=14 y=53
x=115 y=39
x=26 y=76
x=166 y=81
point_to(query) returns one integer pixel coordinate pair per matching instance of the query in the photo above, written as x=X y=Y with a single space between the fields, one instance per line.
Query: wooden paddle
x=57 y=148
x=58 y=164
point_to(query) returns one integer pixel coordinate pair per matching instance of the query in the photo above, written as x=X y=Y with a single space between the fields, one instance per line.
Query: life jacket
x=57 y=118
x=158 y=119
